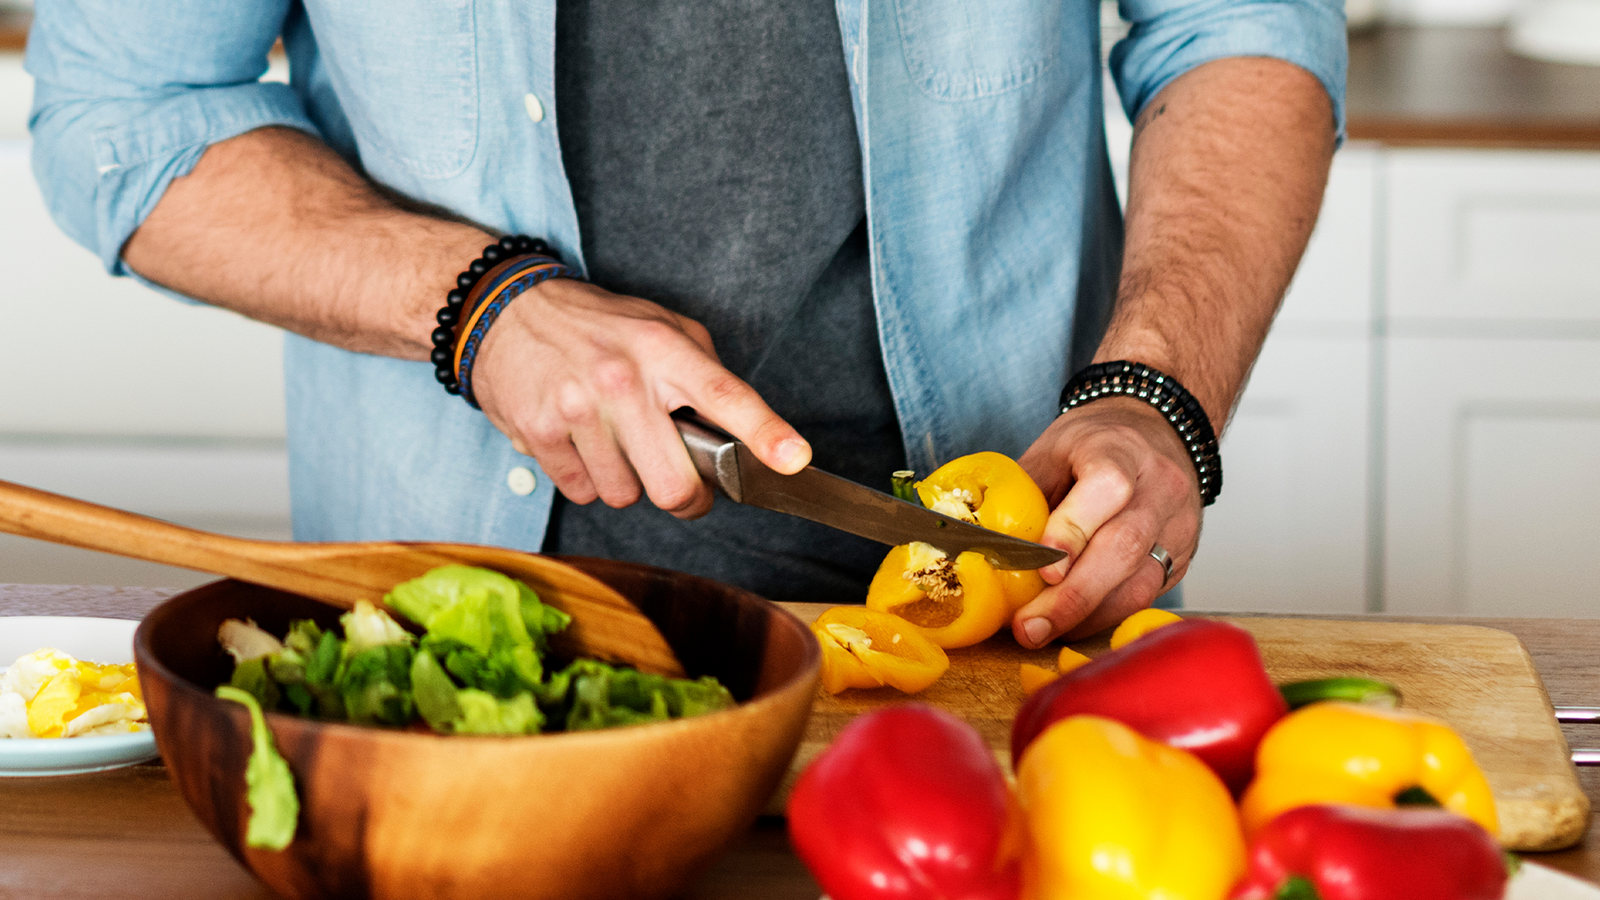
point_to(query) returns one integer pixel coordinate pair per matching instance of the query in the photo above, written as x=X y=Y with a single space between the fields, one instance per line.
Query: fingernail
x=1037 y=630
x=792 y=454
x=1055 y=573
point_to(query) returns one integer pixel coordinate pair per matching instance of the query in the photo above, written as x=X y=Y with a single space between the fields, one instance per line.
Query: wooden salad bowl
x=626 y=812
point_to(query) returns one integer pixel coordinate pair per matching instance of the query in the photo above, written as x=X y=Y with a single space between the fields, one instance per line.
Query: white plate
x=1535 y=882
x=95 y=640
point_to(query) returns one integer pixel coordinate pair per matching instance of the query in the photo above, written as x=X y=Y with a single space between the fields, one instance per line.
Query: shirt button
x=522 y=481
x=534 y=107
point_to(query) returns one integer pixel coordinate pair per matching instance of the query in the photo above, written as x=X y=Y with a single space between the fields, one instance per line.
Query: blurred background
x=1421 y=434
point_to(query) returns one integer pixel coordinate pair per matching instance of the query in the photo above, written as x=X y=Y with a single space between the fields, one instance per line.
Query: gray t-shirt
x=716 y=170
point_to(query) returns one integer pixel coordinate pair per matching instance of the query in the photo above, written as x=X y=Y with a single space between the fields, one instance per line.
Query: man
x=872 y=234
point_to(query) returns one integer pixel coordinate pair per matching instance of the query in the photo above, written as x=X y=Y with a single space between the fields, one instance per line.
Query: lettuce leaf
x=375 y=685
x=269 y=785
x=467 y=608
x=484 y=713
x=590 y=694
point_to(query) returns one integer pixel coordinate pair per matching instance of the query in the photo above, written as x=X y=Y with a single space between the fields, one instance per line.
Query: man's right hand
x=584 y=381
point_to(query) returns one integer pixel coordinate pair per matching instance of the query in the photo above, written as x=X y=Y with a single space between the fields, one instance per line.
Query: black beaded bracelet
x=1130 y=379
x=486 y=278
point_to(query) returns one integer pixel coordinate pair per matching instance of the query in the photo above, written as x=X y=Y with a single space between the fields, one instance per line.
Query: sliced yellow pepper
x=1336 y=752
x=1035 y=677
x=1140 y=624
x=1112 y=814
x=862 y=648
x=961 y=601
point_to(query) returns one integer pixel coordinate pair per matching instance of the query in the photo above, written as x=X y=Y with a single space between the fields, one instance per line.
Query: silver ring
x=1160 y=555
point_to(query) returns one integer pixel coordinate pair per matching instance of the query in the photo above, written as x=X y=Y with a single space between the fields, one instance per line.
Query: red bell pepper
x=1197 y=684
x=910 y=803
x=1333 y=852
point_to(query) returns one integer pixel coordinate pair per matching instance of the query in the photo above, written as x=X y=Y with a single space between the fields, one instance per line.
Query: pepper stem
x=902 y=486
x=1355 y=690
x=1416 y=796
x=1297 y=888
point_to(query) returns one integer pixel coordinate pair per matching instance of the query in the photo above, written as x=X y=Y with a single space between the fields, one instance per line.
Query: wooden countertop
x=127 y=834
x=14 y=28
x=1409 y=86
x=1461 y=87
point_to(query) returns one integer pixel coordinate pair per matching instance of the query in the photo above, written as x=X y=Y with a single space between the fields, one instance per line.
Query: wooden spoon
x=604 y=624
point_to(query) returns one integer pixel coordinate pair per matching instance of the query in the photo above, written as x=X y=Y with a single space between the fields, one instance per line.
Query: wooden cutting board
x=1480 y=680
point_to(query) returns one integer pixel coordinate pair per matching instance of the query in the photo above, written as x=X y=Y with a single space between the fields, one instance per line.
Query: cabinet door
x=1332 y=290
x=1492 y=476
x=1500 y=239
x=1289 y=532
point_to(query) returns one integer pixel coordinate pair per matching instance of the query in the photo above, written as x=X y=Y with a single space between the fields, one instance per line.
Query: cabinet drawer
x=1484 y=236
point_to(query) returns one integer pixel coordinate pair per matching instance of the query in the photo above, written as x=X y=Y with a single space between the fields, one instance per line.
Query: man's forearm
x=274 y=225
x=1228 y=168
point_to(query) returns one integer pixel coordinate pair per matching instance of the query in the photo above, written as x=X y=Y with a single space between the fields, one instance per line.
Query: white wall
x=120 y=395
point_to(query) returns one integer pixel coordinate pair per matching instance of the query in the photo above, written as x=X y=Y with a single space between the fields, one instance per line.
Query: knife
x=839 y=503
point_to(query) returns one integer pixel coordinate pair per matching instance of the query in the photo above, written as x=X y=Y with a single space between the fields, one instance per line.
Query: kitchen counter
x=14 y=28
x=127 y=834
x=1461 y=87
x=1411 y=85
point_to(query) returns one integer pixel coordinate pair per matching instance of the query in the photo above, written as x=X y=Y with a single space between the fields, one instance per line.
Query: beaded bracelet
x=506 y=269
x=1130 y=379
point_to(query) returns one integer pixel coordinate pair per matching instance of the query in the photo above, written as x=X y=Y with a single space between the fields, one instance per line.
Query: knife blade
x=839 y=503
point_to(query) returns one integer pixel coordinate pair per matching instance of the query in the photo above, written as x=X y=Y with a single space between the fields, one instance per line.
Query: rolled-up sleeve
x=1170 y=37
x=129 y=93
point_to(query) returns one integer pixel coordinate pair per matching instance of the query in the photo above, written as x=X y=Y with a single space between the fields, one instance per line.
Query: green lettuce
x=269 y=785
x=497 y=618
x=590 y=694
x=450 y=709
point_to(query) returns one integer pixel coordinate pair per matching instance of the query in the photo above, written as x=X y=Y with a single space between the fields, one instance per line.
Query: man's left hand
x=1119 y=483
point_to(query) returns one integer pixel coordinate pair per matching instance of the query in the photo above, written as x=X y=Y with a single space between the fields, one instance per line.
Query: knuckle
x=1069 y=605
x=676 y=498
x=620 y=495
x=725 y=388
x=616 y=378
x=1124 y=543
x=575 y=408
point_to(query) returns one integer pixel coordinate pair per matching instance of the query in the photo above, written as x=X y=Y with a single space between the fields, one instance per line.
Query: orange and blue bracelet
x=504 y=271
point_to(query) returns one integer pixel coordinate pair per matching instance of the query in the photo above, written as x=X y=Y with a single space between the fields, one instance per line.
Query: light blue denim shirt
x=989 y=196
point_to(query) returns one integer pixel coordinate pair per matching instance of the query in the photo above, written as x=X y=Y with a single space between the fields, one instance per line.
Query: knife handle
x=714 y=451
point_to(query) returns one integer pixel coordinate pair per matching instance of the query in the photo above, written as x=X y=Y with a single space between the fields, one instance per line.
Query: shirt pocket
x=961 y=50
x=406 y=74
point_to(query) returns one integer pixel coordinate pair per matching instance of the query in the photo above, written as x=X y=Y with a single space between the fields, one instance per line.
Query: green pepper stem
x=902 y=485
x=1297 y=888
x=1352 y=689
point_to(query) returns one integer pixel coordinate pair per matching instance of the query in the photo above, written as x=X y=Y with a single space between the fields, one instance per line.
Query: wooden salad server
x=604 y=624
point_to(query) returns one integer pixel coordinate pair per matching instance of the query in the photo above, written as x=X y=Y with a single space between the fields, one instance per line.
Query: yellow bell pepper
x=862 y=648
x=1113 y=815
x=961 y=601
x=1334 y=752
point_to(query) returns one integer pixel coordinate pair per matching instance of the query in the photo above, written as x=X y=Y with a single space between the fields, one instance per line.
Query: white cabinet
x=1290 y=530
x=1492 y=500
x=1492 y=394
x=1422 y=433
x=1493 y=238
